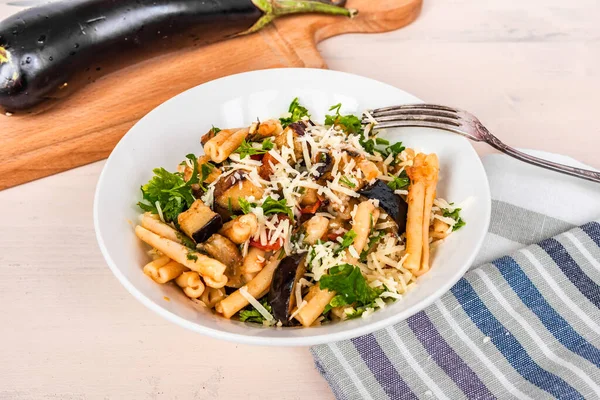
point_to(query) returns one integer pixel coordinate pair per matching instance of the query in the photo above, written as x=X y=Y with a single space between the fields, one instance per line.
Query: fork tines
x=414 y=115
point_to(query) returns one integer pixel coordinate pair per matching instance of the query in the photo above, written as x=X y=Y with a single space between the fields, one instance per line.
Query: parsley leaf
x=172 y=193
x=396 y=148
x=272 y=206
x=267 y=145
x=373 y=239
x=252 y=314
x=349 y=123
x=215 y=129
x=455 y=215
x=191 y=256
x=347 y=241
x=245 y=205
x=350 y=286
x=382 y=141
x=296 y=111
x=246 y=148
x=399 y=182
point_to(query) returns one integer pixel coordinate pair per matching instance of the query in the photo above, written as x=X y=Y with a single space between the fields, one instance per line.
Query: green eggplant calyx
x=275 y=8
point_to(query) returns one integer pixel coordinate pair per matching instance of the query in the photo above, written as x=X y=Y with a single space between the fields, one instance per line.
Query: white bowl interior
x=164 y=136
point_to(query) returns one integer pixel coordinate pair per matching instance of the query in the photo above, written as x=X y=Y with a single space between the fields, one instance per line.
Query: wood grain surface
x=86 y=126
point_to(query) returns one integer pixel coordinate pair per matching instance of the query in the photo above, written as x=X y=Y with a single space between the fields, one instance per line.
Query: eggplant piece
x=394 y=205
x=228 y=191
x=199 y=222
x=298 y=129
x=46 y=52
x=282 y=294
x=225 y=251
x=325 y=169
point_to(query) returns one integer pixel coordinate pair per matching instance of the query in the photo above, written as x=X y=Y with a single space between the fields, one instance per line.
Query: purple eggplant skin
x=394 y=205
x=281 y=295
x=49 y=51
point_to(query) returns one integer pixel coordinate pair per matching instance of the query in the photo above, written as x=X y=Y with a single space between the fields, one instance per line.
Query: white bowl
x=164 y=136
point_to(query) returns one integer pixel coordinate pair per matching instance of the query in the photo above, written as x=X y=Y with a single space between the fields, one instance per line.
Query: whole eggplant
x=47 y=52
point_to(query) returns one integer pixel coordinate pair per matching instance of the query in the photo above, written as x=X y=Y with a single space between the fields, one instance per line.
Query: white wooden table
x=68 y=330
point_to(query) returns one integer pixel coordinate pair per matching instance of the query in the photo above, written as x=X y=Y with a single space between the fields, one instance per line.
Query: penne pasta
x=205 y=266
x=316 y=228
x=364 y=220
x=191 y=284
x=153 y=223
x=316 y=303
x=254 y=261
x=261 y=282
x=240 y=229
x=212 y=296
x=163 y=270
x=223 y=144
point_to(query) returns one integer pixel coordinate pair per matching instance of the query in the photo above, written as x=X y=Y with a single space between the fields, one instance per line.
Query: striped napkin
x=523 y=326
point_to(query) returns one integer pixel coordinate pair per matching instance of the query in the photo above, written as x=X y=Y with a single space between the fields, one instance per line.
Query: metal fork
x=465 y=124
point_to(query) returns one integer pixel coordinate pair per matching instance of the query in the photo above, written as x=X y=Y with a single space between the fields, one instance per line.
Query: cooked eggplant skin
x=225 y=251
x=286 y=277
x=199 y=222
x=393 y=204
x=48 y=51
x=228 y=191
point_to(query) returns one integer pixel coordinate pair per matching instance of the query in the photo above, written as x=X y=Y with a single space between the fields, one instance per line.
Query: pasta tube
x=439 y=230
x=315 y=227
x=240 y=229
x=254 y=261
x=191 y=284
x=212 y=296
x=433 y=163
x=263 y=129
x=205 y=266
x=317 y=301
x=365 y=218
x=153 y=223
x=421 y=193
x=163 y=269
x=261 y=282
x=221 y=146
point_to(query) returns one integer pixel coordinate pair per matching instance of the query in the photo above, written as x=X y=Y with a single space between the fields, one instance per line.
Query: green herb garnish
x=373 y=239
x=172 y=193
x=401 y=182
x=349 y=123
x=297 y=113
x=245 y=205
x=347 y=241
x=350 y=286
x=346 y=181
x=252 y=315
x=455 y=215
x=272 y=206
x=191 y=256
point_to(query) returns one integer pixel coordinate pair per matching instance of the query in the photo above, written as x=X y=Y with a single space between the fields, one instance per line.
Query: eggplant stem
x=275 y=8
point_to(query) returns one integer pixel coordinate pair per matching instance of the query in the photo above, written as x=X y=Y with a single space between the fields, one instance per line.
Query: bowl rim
x=284 y=341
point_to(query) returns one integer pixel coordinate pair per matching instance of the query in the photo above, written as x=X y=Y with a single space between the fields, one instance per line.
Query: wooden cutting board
x=86 y=126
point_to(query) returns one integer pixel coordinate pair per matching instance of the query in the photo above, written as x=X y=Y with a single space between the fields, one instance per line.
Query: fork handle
x=540 y=162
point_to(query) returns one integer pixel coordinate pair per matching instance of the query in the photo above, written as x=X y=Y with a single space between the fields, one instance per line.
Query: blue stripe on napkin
x=525 y=326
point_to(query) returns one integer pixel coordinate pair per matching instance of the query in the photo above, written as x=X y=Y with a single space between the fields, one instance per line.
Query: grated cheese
x=159 y=210
x=256 y=304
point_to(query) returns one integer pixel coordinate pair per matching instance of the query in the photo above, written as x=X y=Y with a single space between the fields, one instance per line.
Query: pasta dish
x=291 y=223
